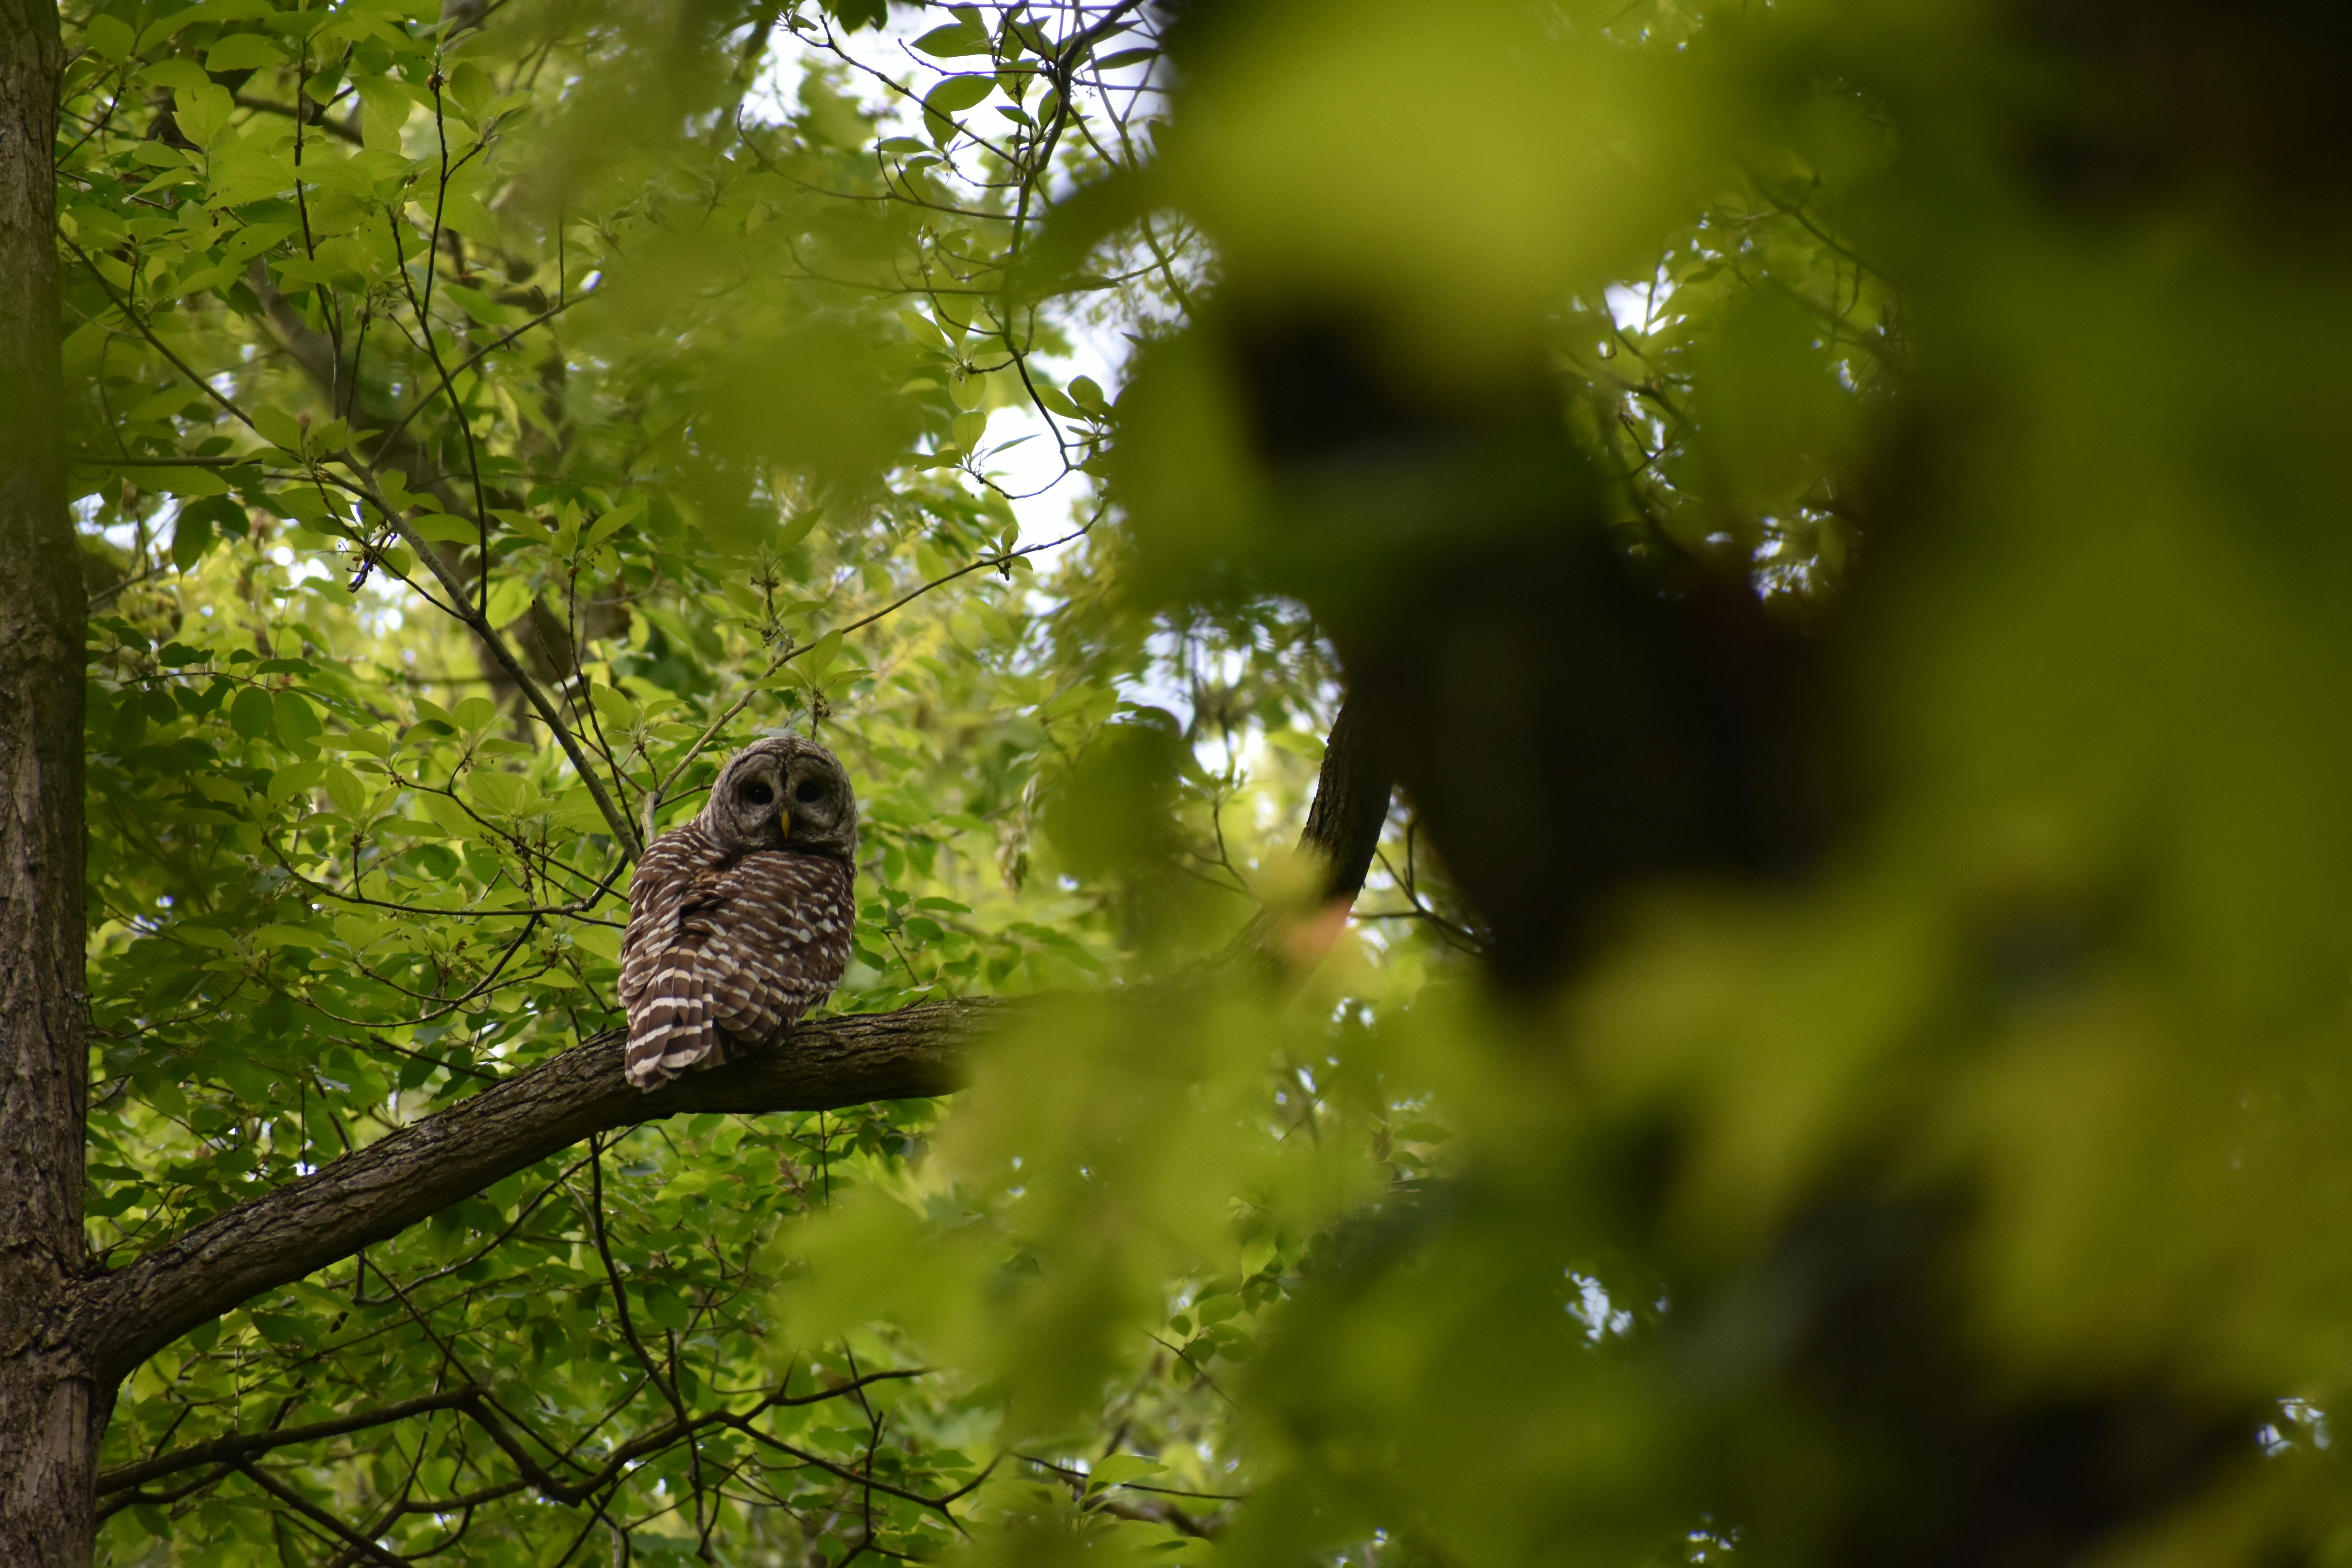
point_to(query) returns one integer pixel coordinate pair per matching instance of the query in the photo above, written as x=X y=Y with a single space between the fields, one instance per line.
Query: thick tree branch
x=372 y=1193
x=1343 y=830
x=1351 y=805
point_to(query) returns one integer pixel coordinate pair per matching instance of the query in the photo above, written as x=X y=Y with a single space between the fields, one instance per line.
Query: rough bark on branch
x=375 y=1193
x=1351 y=804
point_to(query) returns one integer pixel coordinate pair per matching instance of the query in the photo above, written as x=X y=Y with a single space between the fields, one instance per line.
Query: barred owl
x=739 y=921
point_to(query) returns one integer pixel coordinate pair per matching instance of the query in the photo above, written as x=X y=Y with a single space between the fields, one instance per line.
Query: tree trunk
x=49 y=1412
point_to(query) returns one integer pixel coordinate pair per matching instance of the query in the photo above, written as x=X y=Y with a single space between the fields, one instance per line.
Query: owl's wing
x=674 y=874
x=774 y=941
x=662 y=981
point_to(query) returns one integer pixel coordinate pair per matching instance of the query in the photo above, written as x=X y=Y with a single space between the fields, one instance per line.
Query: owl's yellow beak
x=784 y=819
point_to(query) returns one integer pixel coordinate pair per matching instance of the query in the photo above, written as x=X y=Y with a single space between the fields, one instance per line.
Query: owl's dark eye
x=758 y=795
x=810 y=790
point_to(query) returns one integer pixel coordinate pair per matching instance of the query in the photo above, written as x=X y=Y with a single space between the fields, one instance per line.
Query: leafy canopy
x=489 y=417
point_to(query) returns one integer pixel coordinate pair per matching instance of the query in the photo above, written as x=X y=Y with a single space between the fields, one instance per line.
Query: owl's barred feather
x=676 y=1032
x=734 y=933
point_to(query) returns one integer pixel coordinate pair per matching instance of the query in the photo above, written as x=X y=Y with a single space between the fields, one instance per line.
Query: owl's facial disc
x=786 y=793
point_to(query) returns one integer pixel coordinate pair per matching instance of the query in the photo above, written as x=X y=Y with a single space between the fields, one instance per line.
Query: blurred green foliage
x=1939 y=1163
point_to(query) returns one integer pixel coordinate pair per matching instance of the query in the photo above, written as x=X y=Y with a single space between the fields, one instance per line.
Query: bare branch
x=368 y=1550
x=240 y=1446
x=310 y=114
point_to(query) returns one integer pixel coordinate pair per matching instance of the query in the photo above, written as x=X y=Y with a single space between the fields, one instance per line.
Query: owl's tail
x=671 y=1028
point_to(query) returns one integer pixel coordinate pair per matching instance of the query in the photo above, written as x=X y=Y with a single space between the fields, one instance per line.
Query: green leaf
x=813 y=664
x=954 y=40
x=178 y=72
x=612 y=521
x=164 y=404
x=1118 y=1469
x=251 y=714
x=277 y=426
x=244 y=51
x=578 y=813
x=157 y=155
x=385 y=106
x=297 y=722
x=289 y=936
x=665 y=1307
x=343 y=787
x=443 y=529
x=449 y=815
x=501 y=795
x=191 y=537
x=289 y=781
x=614 y=706
x=203 y=111
x=111 y=36
x=470 y=87
x=169 y=25
x=508 y=600
x=958 y=93
x=692 y=1183
x=197 y=484
x=481 y=307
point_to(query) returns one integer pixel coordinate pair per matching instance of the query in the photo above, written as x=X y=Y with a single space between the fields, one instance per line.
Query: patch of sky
x=1603 y=1318
x=2301 y=1423
x=1640 y=307
x=881 y=71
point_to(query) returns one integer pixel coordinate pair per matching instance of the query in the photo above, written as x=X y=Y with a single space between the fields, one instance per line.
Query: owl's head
x=784 y=793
